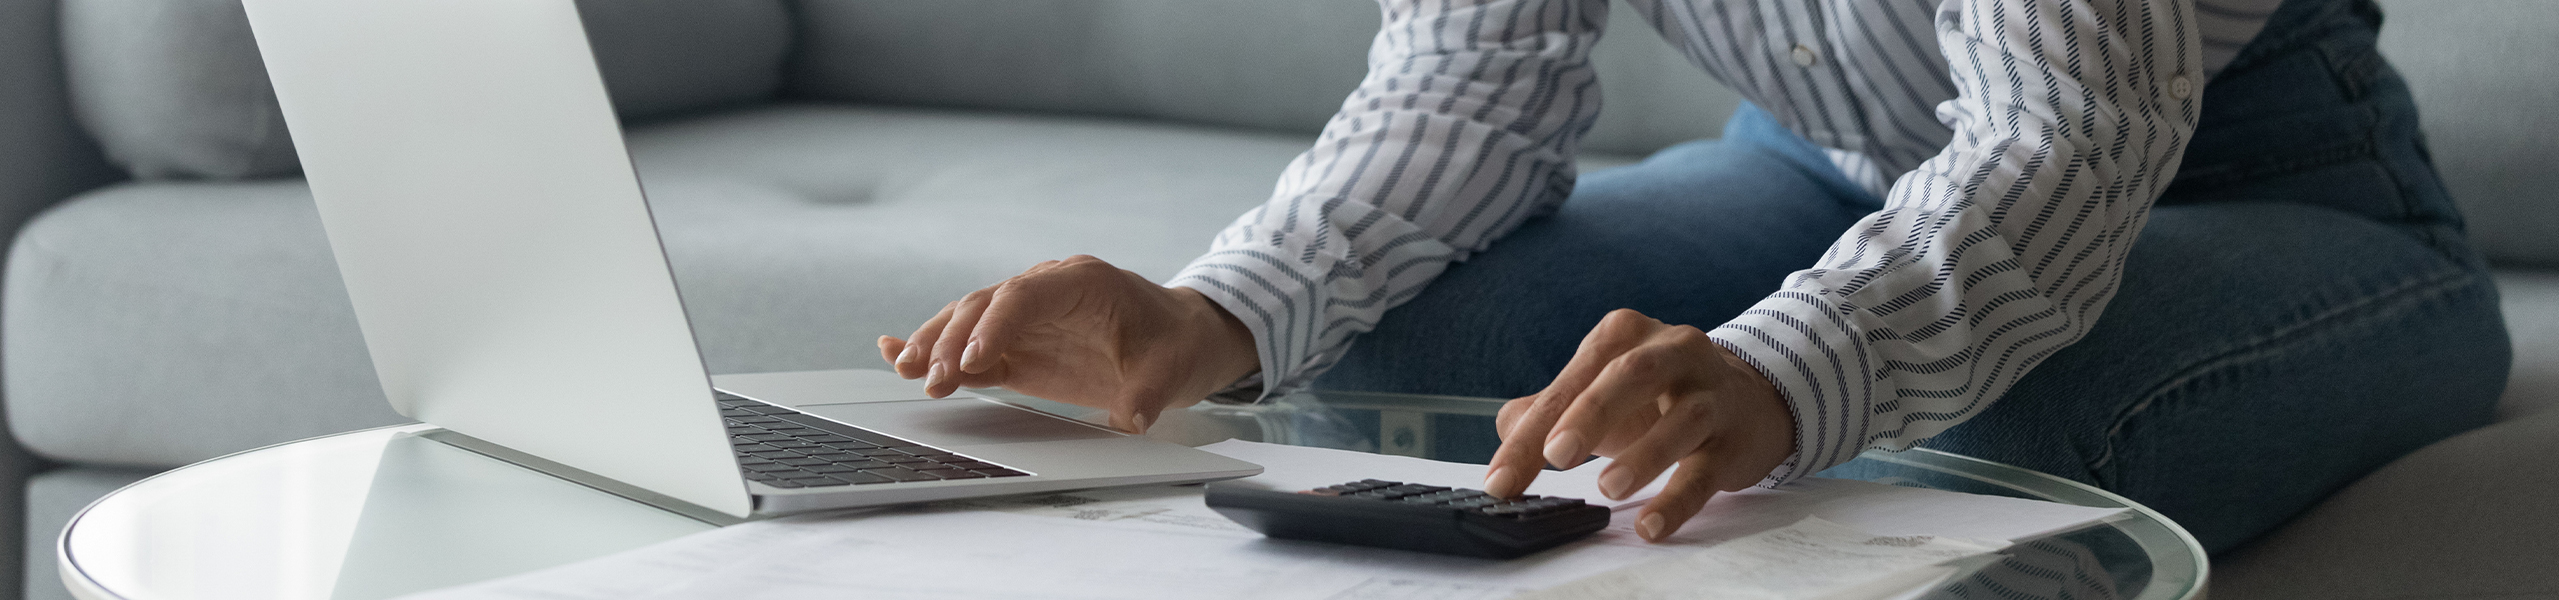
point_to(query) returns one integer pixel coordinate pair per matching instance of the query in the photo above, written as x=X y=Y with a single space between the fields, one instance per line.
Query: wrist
x=1223 y=350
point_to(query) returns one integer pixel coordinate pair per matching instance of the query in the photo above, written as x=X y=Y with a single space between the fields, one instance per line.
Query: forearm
x=1999 y=251
x=1464 y=128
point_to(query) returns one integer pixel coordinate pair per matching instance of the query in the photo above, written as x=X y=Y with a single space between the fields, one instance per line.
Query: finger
x=1682 y=430
x=1523 y=450
x=1669 y=359
x=1138 y=407
x=1689 y=489
x=955 y=339
x=1008 y=308
x=1510 y=413
x=1516 y=463
x=910 y=362
x=1621 y=331
x=1635 y=381
x=889 y=347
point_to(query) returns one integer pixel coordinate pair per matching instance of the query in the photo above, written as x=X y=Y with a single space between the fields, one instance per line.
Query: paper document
x=1812 y=558
x=1163 y=542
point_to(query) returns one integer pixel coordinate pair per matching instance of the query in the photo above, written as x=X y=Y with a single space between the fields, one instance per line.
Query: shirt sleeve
x=2070 y=118
x=1464 y=127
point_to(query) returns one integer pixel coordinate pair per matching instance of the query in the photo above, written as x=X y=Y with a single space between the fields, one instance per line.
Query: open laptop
x=511 y=287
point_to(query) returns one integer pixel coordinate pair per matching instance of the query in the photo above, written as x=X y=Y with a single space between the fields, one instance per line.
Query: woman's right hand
x=1083 y=332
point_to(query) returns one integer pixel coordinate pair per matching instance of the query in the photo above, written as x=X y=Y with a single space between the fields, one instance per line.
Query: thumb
x=1137 y=409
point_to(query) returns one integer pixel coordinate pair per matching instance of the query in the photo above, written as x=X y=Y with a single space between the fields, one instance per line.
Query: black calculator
x=1409 y=516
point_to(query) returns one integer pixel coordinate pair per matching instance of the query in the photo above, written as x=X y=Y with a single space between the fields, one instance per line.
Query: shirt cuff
x=1264 y=310
x=1803 y=345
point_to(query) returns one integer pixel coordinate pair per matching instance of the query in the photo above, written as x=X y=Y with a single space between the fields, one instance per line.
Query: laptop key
x=769 y=467
x=859 y=478
x=801 y=462
x=785 y=483
x=814 y=422
x=953 y=474
x=829 y=469
x=816 y=481
x=900 y=474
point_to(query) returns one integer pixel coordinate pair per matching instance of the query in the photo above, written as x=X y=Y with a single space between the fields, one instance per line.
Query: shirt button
x=1804 y=56
x=2181 y=87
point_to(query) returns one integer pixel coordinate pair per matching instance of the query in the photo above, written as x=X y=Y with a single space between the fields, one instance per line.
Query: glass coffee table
x=384 y=512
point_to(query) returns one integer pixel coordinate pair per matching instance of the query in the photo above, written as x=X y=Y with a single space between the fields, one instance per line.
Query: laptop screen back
x=493 y=238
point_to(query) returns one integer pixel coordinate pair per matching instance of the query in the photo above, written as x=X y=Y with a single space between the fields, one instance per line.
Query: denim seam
x=2395 y=301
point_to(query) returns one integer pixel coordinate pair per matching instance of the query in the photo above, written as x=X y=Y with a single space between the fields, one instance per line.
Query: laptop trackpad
x=958 y=421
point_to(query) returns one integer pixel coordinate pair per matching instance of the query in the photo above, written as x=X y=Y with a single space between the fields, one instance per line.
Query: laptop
x=509 y=280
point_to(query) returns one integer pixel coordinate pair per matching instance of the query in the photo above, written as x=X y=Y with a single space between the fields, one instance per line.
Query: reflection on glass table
x=384 y=512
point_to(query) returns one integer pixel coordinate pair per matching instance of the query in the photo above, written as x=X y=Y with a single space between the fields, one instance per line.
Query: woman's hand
x=1083 y=332
x=1649 y=395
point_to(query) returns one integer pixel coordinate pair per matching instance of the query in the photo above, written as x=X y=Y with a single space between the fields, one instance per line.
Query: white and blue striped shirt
x=2018 y=144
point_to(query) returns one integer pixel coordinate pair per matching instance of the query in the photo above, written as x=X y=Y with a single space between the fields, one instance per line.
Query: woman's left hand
x=1649 y=395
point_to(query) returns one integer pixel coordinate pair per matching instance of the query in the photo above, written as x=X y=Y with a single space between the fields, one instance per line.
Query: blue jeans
x=2300 y=309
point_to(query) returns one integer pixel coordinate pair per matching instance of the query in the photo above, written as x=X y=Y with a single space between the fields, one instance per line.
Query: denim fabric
x=2300 y=309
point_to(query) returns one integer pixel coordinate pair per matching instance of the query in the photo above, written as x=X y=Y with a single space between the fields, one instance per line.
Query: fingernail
x=933 y=377
x=1650 y=527
x=1564 y=450
x=907 y=357
x=1614 y=482
x=968 y=355
x=1499 y=483
x=1143 y=421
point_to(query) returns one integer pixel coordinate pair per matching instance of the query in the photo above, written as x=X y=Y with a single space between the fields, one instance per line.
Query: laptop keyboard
x=786 y=448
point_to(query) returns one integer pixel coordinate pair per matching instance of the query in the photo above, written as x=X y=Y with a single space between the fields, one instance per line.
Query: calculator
x=1410 y=516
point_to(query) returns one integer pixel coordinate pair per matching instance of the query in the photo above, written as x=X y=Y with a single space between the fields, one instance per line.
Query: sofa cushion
x=175 y=88
x=1283 y=66
x=2466 y=518
x=2531 y=301
x=2486 y=74
x=159 y=323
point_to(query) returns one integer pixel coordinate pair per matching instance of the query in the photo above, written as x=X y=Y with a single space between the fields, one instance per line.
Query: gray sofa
x=830 y=170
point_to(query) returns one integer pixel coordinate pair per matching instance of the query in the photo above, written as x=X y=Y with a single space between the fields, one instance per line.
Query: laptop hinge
x=581 y=477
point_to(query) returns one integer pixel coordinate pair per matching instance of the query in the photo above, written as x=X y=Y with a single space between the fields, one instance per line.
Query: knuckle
x=1643 y=361
x=1623 y=317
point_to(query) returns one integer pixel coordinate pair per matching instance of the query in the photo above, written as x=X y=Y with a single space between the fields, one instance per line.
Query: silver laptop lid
x=493 y=237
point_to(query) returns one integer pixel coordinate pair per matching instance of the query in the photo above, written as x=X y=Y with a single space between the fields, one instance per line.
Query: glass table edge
x=67 y=565
x=2146 y=526
x=2154 y=531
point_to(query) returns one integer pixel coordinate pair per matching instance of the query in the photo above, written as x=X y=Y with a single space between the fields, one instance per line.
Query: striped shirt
x=2018 y=145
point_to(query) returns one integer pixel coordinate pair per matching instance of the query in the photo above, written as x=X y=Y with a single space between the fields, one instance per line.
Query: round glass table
x=384 y=512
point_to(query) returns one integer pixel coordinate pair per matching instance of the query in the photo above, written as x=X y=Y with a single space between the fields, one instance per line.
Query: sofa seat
x=2468 y=517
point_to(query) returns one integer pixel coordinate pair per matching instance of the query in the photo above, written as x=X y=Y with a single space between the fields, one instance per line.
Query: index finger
x=1523 y=450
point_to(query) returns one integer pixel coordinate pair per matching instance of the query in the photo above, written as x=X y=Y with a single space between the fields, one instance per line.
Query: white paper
x=1163 y=542
x=1812 y=558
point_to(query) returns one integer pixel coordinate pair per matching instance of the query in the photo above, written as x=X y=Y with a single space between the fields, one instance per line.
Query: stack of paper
x=1163 y=542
